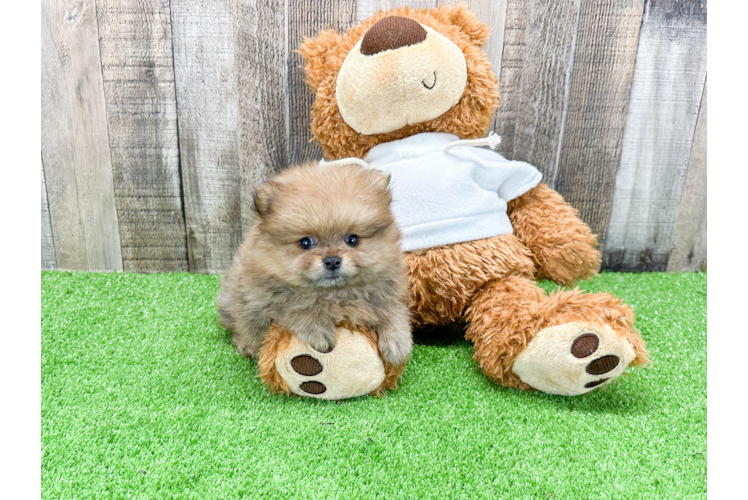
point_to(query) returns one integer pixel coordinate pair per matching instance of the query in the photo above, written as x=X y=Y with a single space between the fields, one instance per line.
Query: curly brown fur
x=562 y=246
x=507 y=314
x=391 y=375
x=274 y=280
x=470 y=118
x=277 y=340
x=444 y=279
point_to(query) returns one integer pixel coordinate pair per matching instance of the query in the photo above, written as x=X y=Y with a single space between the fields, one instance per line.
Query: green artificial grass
x=144 y=397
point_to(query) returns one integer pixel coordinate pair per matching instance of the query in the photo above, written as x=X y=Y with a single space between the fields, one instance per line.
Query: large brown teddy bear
x=408 y=79
x=408 y=92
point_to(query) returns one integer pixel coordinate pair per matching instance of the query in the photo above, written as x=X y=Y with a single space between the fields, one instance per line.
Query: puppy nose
x=331 y=263
x=390 y=33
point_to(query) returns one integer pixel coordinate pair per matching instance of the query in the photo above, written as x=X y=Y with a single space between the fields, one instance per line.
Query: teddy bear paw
x=351 y=369
x=573 y=358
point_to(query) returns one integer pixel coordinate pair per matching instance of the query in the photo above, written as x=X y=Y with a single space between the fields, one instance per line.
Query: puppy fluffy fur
x=273 y=279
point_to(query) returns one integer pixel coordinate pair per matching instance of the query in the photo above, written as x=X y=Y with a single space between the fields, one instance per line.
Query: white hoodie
x=440 y=198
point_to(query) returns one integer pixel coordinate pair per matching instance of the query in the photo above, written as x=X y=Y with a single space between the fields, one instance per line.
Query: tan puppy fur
x=280 y=274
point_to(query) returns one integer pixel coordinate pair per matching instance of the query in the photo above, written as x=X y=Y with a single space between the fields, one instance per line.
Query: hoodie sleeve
x=522 y=178
x=510 y=178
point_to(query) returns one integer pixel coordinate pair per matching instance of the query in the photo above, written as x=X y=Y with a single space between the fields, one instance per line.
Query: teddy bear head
x=400 y=73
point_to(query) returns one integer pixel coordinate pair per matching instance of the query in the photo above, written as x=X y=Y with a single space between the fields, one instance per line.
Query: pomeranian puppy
x=324 y=247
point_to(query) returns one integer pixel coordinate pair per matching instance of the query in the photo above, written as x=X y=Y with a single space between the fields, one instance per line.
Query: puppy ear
x=317 y=52
x=263 y=197
x=458 y=15
x=380 y=181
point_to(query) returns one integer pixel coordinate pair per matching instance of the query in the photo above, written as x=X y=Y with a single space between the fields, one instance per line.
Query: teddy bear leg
x=568 y=343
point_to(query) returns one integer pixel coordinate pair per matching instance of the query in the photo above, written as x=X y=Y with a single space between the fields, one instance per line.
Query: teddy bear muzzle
x=400 y=73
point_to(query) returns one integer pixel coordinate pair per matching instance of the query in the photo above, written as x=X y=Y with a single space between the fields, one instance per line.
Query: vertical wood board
x=136 y=57
x=510 y=75
x=203 y=34
x=48 y=244
x=600 y=84
x=689 y=235
x=664 y=106
x=306 y=20
x=75 y=143
x=57 y=151
x=261 y=69
x=367 y=8
x=546 y=69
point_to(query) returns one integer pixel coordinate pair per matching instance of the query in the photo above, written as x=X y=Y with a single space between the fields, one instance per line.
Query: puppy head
x=327 y=227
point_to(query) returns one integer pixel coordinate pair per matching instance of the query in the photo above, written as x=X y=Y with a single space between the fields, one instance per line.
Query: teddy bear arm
x=563 y=247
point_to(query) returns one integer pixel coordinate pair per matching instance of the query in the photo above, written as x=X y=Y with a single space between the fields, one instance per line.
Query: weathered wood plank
x=48 y=244
x=494 y=15
x=203 y=38
x=367 y=8
x=57 y=151
x=75 y=144
x=546 y=71
x=510 y=78
x=261 y=69
x=663 y=110
x=602 y=71
x=136 y=57
x=689 y=235
x=306 y=19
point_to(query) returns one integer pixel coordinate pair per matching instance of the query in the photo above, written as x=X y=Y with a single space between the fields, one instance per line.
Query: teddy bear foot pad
x=352 y=368
x=573 y=358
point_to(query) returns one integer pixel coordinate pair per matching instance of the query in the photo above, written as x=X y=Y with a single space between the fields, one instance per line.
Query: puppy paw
x=321 y=339
x=247 y=346
x=395 y=349
x=323 y=346
x=573 y=358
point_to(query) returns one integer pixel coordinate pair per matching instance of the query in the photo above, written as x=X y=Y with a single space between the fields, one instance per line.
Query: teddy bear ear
x=458 y=15
x=315 y=52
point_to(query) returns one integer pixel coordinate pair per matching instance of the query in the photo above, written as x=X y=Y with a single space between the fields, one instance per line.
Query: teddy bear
x=411 y=92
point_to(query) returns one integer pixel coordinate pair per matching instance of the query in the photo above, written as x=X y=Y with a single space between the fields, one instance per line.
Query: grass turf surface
x=144 y=397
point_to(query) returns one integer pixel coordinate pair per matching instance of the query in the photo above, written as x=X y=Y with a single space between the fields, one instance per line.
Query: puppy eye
x=351 y=240
x=306 y=243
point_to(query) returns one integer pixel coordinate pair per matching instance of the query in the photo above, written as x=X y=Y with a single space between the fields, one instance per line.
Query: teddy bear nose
x=390 y=33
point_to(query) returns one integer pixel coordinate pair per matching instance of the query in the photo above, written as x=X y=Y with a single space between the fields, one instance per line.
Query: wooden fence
x=160 y=117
